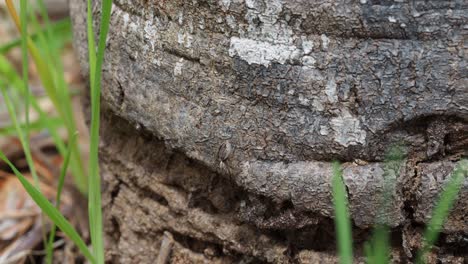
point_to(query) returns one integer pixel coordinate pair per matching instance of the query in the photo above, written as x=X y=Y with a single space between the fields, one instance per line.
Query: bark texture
x=221 y=119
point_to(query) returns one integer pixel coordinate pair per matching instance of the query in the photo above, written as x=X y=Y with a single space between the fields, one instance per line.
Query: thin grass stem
x=342 y=220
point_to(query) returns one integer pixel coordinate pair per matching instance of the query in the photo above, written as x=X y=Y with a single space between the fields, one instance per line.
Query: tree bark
x=221 y=120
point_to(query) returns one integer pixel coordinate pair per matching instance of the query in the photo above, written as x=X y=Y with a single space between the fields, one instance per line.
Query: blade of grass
x=91 y=43
x=378 y=249
x=50 y=211
x=24 y=55
x=342 y=221
x=442 y=209
x=92 y=176
x=63 y=172
x=94 y=202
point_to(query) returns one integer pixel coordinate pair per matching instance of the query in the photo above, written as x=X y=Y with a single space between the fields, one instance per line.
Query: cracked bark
x=244 y=105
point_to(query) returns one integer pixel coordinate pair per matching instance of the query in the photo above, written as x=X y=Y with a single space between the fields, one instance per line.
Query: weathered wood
x=268 y=93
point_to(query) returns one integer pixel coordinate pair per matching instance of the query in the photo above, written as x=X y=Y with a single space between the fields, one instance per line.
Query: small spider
x=436 y=132
x=225 y=150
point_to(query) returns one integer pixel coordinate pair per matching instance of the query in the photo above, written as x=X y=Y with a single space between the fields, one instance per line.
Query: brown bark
x=222 y=118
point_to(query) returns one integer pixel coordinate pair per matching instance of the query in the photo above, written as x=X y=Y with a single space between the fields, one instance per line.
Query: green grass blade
x=63 y=172
x=378 y=249
x=442 y=208
x=25 y=72
x=342 y=221
x=91 y=43
x=51 y=211
x=92 y=174
x=94 y=202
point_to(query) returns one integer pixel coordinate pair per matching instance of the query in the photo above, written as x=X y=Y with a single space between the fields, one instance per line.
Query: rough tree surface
x=221 y=120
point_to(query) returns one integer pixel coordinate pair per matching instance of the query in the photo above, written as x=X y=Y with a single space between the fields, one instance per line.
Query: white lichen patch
x=271 y=41
x=178 y=67
x=347 y=129
x=307 y=45
x=146 y=29
x=392 y=19
x=180 y=18
x=324 y=130
x=125 y=18
x=325 y=41
x=260 y=52
x=330 y=90
x=150 y=33
x=185 y=39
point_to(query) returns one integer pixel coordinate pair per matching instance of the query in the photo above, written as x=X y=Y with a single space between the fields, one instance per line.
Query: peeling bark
x=246 y=103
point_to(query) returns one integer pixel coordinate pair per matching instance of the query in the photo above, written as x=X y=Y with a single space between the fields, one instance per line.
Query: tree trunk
x=221 y=120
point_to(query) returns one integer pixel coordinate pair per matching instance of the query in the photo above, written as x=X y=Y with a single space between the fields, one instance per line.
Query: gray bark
x=221 y=120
